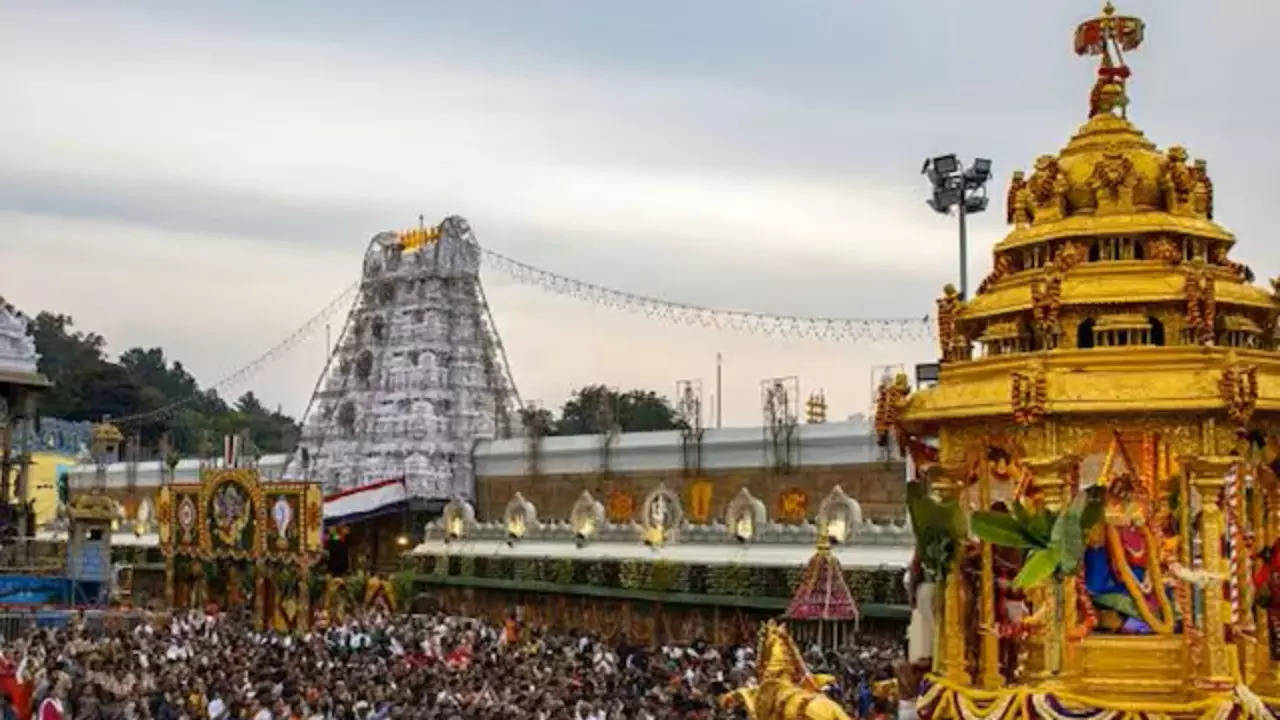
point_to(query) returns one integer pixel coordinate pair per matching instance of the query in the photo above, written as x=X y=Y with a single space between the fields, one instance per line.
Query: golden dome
x=105 y=432
x=1113 y=260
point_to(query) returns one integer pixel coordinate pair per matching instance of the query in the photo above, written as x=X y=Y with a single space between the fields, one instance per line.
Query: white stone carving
x=459 y=518
x=839 y=516
x=661 y=515
x=746 y=516
x=587 y=516
x=520 y=516
x=17 y=348
x=401 y=418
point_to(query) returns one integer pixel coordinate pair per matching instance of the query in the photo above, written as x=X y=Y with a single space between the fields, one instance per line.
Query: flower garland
x=1164 y=624
x=943 y=701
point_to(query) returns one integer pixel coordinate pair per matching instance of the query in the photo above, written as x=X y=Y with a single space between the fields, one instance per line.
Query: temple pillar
x=168 y=580
x=1054 y=478
x=1269 y=530
x=304 y=598
x=1208 y=476
x=990 y=630
x=951 y=626
x=260 y=609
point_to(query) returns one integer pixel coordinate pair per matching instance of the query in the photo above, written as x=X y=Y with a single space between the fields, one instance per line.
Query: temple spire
x=1104 y=35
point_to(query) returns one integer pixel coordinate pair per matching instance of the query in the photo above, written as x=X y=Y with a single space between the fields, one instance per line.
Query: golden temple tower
x=1114 y=343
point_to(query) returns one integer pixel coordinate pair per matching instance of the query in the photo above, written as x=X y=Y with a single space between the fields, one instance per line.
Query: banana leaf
x=1039 y=566
x=1120 y=602
x=1067 y=539
x=1001 y=529
x=939 y=528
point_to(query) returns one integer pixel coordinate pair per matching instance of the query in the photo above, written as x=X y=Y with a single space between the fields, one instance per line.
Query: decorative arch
x=746 y=516
x=587 y=516
x=839 y=516
x=661 y=515
x=459 y=518
x=519 y=517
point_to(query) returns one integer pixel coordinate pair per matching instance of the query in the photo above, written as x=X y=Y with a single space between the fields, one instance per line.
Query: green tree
x=596 y=409
x=88 y=386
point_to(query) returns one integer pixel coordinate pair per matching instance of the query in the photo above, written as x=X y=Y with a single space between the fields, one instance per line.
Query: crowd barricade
x=16 y=622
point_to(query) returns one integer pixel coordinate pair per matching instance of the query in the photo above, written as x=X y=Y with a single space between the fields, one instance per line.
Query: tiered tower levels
x=416 y=376
x=1114 y=289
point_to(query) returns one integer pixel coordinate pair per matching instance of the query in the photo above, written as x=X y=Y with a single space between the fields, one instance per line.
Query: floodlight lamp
x=946 y=164
x=944 y=198
x=982 y=166
x=975 y=204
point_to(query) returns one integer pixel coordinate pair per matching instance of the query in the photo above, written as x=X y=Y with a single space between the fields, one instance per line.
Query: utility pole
x=719 y=393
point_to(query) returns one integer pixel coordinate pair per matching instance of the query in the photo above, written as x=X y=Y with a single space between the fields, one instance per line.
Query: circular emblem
x=187 y=516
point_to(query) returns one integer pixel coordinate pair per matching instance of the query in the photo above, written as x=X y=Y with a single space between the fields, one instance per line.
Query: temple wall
x=822 y=456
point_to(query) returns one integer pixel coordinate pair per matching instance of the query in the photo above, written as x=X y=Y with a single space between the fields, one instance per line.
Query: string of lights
x=788 y=326
x=243 y=374
x=791 y=326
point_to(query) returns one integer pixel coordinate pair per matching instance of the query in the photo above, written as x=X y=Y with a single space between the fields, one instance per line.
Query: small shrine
x=89 y=548
x=1097 y=502
x=241 y=544
x=822 y=610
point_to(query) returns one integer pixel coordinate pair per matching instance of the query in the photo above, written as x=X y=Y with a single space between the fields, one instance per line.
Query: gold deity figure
x=1123 y=567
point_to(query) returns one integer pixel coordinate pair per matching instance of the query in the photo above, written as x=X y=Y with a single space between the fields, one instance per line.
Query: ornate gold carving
x=1200 y=170
x=1178 y=182
x=953 y=345
x=1048 y=187
x=1003 y=266
x=1218 y=256
x=1071 y=254
x=1238 y=386
x=1112 y=183
x=890 y=400
x=1018 y=202
x=1165 y=250
x=1202 y=303
x=1046 y=301
x=784 y=689
x=1029 y=396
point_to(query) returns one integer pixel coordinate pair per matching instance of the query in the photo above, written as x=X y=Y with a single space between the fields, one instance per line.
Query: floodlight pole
x=964 y=258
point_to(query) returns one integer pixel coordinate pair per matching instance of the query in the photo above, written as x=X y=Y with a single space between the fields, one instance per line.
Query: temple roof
x=822 y=593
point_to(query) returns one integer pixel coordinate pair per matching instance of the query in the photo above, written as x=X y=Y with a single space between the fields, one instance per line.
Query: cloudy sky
x=205 y=176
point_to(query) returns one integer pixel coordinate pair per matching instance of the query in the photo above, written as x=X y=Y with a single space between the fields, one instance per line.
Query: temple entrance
x=236 y=544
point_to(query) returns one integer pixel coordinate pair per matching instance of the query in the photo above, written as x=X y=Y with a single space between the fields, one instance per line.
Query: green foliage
x=940 y=529
x=315 y=588
x=631 y=574
x=666 y=576
x=729 y=580
x=212 y=572
x=402 y=584
x=1039 y=566
x=596 y=409
x=1001 y=529
x=1054 y=541
x=596 y=574
x=562 y=571
x=87 y=386
x=525 y=569
x=355 y=586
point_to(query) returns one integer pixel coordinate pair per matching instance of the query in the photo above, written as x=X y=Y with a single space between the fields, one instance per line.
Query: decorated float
x=1097 y=502
x=240 y=544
